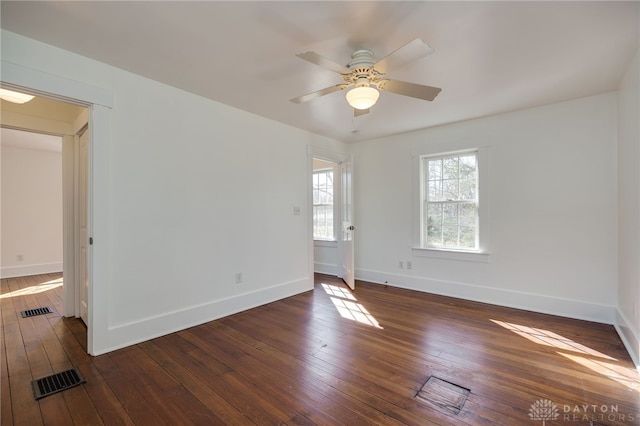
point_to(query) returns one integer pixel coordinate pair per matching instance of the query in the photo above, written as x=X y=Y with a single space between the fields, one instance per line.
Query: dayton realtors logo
x=544 y=410
x=597 y=413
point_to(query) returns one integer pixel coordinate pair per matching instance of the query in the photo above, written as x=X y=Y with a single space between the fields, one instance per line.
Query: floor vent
x=442 y=394
x=37 y=311
x=56 y=383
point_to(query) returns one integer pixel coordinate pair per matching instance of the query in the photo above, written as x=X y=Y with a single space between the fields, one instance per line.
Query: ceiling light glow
x=363 y=97
x=15 y=97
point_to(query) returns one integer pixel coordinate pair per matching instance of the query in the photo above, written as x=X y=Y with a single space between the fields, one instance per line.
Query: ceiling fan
x=366 y=77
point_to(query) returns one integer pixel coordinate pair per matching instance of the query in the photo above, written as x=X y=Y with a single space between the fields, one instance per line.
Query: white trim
x=513 y=299
x=325 y=268
x=98 y=265
x=26 y=270
x=68 y=231
x=123 y=335
x=325 y=243
x=468 y=256
x=39 y=83
x=630 y=337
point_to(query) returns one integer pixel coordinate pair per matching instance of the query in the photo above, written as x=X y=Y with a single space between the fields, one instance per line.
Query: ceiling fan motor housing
x=361 y=59
x=362 y=72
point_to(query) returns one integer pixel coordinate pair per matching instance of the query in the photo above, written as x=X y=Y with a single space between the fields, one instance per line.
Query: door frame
x=99 y=101
x=337 y=157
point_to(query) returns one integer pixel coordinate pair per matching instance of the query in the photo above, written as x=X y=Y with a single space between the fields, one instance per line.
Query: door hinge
x=90 y=241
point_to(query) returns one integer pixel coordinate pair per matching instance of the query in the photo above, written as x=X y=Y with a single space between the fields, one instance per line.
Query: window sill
x=325 y=243
x=467 y=256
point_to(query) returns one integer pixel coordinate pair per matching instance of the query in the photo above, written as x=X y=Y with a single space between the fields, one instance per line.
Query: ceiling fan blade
x=311 y=96
x=419 y=91
x=359 y=112
x=410 y=52
x=314 y=58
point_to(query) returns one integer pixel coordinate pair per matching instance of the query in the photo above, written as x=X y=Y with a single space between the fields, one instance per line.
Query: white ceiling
x=489 y=57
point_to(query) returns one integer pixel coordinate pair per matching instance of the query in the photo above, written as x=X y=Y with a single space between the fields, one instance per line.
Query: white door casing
x=100 y=101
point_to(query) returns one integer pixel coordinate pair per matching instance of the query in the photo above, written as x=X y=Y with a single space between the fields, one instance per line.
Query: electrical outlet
x=409 y=264
x=401 y=264
x=238 y=277
x=20 y=258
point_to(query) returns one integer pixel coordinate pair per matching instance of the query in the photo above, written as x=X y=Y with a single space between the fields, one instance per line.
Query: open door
x=83 y=226
x=347 y=234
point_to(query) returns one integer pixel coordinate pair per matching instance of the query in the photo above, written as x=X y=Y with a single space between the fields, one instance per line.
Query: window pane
x=450 y=236
x=468 y=189
x=468 y=237
x=435 y=169
x=322 y=199
x=450 y=190
x=450 y=168
x=434 y=237
x=435 y=190
x=450 y=214
x=434 y=224
x=467 y=214
x=323 y=204
x=468 y=166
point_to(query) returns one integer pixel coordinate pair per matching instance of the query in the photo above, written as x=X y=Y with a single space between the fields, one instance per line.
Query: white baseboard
x=325 y=268
x=122 y=335
x=630 y=337
x=512 y=299
x=26 y=270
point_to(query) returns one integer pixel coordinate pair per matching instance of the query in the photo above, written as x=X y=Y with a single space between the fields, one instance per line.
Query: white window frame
x=481 y=254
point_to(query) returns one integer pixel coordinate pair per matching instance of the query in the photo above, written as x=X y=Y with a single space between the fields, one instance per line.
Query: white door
x=348 y=229
x=83 y=228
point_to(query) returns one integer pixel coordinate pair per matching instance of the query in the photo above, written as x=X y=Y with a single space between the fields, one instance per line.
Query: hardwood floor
x=329 y=357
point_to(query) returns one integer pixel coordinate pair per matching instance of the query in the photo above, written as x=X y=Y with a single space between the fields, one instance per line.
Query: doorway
x=64 y=122
x=332 y=216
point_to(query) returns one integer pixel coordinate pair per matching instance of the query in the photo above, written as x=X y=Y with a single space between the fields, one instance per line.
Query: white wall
x=31 y=208
x=190 y=203
x=628 y=321
x=552 y=210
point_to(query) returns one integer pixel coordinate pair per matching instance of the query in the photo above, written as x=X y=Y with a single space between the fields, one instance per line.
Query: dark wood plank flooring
x=326 y=357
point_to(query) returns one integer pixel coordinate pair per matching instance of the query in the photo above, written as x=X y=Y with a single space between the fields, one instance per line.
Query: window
x=449 y=201
x=323 y=204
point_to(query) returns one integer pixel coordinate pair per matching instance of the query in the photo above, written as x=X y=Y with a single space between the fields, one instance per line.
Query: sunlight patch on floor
x=578 y=353
x=347 y=306
x=623 y=375
x=334 y=290
x=34 y=289
x=549 y=338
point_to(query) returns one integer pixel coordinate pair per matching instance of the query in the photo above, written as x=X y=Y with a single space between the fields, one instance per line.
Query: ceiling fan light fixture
x=363 y=97
x=15 y=97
